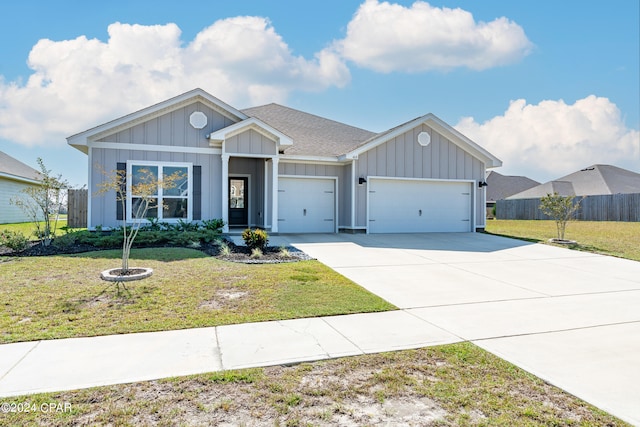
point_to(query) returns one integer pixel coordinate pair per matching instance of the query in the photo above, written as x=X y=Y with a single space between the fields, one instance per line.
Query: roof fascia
x=254 y=124
x=442 y=127
x=19 y=178
x=81 y=139
x=297 y=158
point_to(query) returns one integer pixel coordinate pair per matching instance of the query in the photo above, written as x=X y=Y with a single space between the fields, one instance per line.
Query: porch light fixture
x=482 y=184
x=361 y=180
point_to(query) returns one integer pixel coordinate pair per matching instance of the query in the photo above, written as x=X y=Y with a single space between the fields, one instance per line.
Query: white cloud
x=389 y=37
x=82 y=82
x=551 y=139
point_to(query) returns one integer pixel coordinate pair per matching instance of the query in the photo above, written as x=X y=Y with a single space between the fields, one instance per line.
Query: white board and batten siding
x=398 y=205
x=307 y=204
x=434 y=171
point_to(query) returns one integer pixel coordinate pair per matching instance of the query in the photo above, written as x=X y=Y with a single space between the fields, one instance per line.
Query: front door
x=238 y=201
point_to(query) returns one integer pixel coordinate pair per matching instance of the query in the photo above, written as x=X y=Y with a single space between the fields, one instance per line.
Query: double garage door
x=306 y=205
x=408 y=205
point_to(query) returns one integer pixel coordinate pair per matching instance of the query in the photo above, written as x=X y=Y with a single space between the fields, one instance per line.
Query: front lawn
x=452 y=385
x=621 y=239
x=62 y=296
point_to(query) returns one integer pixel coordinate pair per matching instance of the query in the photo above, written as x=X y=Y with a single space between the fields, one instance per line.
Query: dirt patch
x=223 y=299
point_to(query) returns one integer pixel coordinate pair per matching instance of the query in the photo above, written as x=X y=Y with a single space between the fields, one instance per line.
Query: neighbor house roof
x=15 y=169
x=502 y=186
x=312 y=135
x=591 y=181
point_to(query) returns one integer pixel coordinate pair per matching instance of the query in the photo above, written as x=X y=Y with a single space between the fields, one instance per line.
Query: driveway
x=571 y=318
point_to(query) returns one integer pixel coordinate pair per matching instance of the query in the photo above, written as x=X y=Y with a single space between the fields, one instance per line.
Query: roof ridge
x=599 y=170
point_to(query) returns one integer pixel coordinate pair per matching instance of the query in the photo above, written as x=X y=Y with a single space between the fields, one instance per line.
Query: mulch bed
x=271 y=255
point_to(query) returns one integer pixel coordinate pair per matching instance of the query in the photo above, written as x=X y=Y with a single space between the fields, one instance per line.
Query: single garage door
x=409 y=205
x=306 y=205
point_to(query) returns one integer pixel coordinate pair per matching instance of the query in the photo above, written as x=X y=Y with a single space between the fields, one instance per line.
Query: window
x=167 y=204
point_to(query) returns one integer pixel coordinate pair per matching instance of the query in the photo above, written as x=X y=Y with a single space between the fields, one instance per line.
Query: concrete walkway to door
x=571 y=318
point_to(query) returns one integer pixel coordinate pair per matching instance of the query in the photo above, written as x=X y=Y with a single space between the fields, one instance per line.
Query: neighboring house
x=15 y=176
x=289 y=171
x=502 y=186
x=591 y=181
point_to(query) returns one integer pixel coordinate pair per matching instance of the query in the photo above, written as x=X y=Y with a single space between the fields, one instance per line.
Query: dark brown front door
x=238 y=201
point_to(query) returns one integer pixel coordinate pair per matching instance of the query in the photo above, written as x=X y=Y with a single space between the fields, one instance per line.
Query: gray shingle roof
x=11 y=166
x=591 y=181
x=312 y=135
x=502 y=186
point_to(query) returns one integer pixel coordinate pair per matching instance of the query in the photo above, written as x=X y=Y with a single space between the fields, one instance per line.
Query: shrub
x=14 y=240
x=256 y=253
x=255 y=238
x=185 y=226
x=284 y=252
x=65 y=241
x=213 y=225
x=225 y=250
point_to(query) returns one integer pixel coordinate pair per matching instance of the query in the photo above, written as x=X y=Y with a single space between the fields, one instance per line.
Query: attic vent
x=424 y=139
x=586 y=169
x=198 y=119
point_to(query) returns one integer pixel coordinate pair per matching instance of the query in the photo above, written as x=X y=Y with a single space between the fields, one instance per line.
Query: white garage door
x=405 y=206
x=306 y=205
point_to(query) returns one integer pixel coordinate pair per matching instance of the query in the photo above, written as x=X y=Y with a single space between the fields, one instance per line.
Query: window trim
x=160 y=196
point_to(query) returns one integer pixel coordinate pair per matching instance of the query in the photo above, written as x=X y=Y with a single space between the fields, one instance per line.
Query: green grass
x=621 y=239
x=29 y=228
x=63 y=296
x=458 y=384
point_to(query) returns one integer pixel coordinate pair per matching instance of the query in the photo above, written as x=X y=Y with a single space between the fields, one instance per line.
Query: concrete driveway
x=569 y=317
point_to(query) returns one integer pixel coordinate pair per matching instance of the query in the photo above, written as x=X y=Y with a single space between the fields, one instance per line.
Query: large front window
x=165 y=203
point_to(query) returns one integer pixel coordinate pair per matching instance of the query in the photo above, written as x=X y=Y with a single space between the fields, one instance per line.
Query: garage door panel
x=306 y=205
x=404 y=206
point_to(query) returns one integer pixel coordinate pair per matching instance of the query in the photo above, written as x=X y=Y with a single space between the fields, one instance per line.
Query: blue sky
x=547 y=86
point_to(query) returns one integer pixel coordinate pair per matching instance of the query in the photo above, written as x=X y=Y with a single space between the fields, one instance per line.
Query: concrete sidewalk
x=69 y=364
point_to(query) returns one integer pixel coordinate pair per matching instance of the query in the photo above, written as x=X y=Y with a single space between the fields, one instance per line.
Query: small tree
x=43 y=201
x=561 y=209
x=145 y=188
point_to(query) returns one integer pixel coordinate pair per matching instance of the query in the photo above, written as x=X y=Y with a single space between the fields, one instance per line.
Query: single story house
x=289 y=171
x=15 y=176
x=502 y=186
x=594 y=180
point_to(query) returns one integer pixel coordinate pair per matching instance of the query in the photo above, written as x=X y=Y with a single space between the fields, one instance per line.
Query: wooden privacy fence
x=77 y=201
x=610 y=207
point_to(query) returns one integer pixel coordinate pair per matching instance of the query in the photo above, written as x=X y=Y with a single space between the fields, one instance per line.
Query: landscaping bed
x=208 y=243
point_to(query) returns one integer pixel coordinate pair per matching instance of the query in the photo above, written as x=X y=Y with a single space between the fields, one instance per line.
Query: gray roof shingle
x=502 y=186
x=591 y=181
x=312 y=135
x=11 y=166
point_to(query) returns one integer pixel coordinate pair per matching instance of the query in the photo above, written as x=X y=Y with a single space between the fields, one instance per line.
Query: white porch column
x=225 y=192
x=274 y=199
x=265 y=192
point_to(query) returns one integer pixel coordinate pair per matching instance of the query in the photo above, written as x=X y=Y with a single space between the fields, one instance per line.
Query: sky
x=547 y=86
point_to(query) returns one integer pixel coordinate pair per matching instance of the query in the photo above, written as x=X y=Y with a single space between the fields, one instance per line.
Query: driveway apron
x=571 y=318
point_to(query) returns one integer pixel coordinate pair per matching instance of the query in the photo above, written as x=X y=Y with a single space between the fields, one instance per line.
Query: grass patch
x=458 y=384
x=62 y=296
x=28 y=228
x=604 y=237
